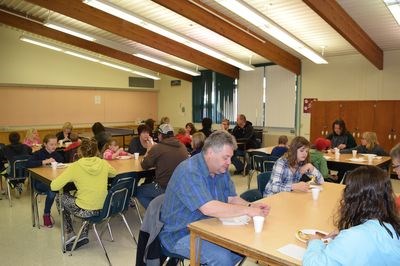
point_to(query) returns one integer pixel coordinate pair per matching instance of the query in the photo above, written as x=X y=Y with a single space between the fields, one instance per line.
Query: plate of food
x=315 y=186
x=304 y=235
x=124 y=157
x=359 y=159
x=61 y=165
x=368 y=154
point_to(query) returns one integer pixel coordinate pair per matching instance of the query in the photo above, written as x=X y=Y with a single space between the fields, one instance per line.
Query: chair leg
x=101 y=243
x=109 y=230
x=137 y=209
x=127 y=226
x=78 y=236
x=36 y=209
x=9 y=193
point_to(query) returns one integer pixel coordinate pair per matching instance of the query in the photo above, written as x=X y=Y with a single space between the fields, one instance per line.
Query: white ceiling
x=293 y=15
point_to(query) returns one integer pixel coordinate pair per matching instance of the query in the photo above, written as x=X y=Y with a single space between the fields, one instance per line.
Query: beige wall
x=350 y=77
x=25 y=63
x=175 y=101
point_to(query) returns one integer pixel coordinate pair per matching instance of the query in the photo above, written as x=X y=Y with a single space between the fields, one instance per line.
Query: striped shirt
x=190 y=187
x=282 y=177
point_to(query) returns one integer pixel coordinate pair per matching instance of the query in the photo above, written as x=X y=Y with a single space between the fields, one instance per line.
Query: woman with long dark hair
x=340 y=137
x=368 y=224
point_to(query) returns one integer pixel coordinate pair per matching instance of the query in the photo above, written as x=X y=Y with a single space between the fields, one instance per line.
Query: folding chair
x=256 y=194
x=269 y=163
x=257 y=159
x=18 y=173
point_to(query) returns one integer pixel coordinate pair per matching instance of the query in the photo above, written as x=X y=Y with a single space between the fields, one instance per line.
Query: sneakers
x=48 y=220
x=83 y=240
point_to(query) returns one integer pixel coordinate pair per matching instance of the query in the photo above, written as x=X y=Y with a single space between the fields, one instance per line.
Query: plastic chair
x=172 y=258
x=269 y=163
x=114 y=204
x=257 y=194
x=257 y=159
x=18 y=173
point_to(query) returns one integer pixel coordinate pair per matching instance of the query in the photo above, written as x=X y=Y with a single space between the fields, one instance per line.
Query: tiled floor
x=21 y=244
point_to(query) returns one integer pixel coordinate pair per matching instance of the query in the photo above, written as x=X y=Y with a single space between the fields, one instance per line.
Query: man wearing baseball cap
x=164 y=157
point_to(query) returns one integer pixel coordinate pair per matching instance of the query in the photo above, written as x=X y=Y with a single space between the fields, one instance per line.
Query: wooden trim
x=87 y=14
x=39 y=29
x=219 y=25
x=337 y=17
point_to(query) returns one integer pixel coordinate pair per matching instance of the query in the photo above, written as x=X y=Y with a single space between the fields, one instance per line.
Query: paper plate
x=303 y=235
x=124 y=157
x=61 y=165
x=240 y=220
x=357 y=159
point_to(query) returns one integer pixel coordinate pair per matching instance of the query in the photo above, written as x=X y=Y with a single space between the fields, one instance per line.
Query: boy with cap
x=164 y=157
x=317 y=156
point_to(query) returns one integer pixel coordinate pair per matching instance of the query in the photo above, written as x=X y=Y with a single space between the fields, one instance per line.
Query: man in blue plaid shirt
x=200 y=188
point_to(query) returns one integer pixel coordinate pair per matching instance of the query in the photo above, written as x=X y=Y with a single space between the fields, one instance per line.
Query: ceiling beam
x=337 y=17
x=222 y=26
x=37 y=28
x=77 y=10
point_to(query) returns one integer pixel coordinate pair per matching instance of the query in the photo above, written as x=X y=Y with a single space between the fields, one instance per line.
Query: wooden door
x=365 y=118
x=332 y=113
x=396 y=124
x=317 y=123
x=383 y=123
x=349 y=114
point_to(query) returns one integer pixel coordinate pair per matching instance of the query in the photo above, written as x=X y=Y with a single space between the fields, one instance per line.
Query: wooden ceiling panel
x=82 y=12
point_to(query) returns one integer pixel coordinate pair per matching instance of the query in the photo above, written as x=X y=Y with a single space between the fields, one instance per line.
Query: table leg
x=194 y=249
x=60 y=193
x=32 y=200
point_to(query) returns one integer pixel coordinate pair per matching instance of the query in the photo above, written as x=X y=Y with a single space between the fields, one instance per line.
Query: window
x=214 y=96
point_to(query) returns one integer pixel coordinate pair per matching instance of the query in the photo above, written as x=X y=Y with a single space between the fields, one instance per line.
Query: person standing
x=201 y=188
x=164 y=157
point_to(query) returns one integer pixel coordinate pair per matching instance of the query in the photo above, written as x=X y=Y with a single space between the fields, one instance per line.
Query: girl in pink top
x=32 y=137
x=111 y=150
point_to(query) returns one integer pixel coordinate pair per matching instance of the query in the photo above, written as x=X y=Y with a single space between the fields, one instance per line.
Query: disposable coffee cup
x=315 y=193
x=335 y=150
x=354 y=153
x=136 y=155
x=370 y=158
x=337 y=155
x=54 y=165
x=258 y=223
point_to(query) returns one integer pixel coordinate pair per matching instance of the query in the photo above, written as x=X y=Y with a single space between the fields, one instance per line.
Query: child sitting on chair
x=111 y=150
x=45 y=156
x=90 y=175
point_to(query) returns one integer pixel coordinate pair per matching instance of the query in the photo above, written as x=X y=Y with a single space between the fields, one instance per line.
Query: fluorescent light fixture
x=59 y=49
x=129 y=70
x=40 y=43
x=394 y=7
x=69 y=30
x=135 y=19
x=82 y=56
x=259 y=20
x=167 y=64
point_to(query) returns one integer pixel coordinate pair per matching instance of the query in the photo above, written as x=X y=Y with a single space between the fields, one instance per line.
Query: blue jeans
x=236 y=161
x=147 y=192
x=210 y=253
x=50 y=195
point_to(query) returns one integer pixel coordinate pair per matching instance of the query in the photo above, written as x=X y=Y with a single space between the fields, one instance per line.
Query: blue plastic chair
x=114 y=204
x=257 y=194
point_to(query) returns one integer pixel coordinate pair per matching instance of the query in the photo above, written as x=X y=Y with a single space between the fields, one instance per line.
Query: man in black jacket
x=246 y=139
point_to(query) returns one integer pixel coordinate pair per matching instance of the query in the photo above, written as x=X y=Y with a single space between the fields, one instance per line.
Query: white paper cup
x=337 y=155
x=258 y=223
x=54 y=165
x=335 y=150
x=60 y=143
x=354 y=153
x=136 y=155
x=315 y=193
x=370 y=158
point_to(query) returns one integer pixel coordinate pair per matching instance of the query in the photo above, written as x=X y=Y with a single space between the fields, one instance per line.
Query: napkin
x=293 y=251
x=240 y=220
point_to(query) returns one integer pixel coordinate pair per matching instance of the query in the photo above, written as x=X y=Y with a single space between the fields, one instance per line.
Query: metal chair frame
x=15 y=166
